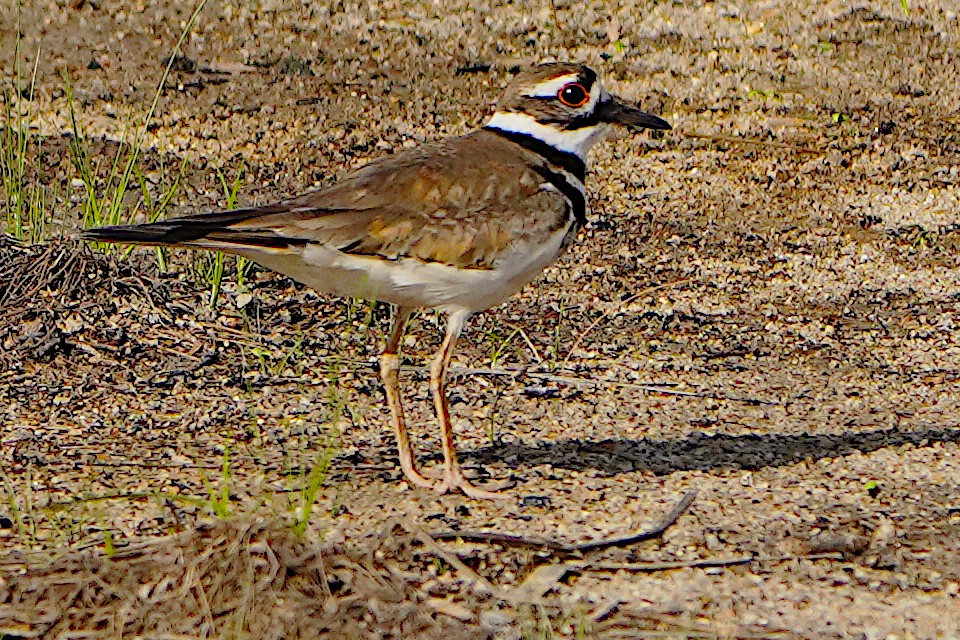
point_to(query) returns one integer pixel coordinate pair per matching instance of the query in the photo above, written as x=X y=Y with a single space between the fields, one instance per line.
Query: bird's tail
x=156 y=233
x=203 y=230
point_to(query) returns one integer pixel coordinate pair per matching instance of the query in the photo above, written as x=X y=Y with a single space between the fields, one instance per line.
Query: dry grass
x=252 y=577
x=236 y=578
x=40 y=284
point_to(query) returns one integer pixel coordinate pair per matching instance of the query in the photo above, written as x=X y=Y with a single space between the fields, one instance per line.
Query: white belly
x=411 y=282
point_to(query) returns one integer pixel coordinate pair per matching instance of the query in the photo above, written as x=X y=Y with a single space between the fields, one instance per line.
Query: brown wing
x=460 y=202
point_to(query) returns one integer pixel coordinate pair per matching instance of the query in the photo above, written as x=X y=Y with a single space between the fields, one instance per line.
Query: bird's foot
x=453 y=480
x=437 y=472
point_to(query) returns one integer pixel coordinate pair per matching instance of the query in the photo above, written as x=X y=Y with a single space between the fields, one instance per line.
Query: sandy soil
x=783 y=266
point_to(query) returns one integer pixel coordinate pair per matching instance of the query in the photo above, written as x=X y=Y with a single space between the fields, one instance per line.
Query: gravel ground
x=763 y=309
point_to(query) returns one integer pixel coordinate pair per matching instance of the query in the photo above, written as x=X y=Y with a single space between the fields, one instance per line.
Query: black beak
x=616 y=112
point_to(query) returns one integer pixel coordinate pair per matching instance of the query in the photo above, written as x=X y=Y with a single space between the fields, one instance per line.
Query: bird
x=456 y=225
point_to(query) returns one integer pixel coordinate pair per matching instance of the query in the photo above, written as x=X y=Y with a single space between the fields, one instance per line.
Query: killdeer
x=457 y=225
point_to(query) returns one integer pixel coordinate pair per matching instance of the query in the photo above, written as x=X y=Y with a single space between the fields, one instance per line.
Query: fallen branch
x=481 y=584
x=753 y=141
x=649 y=567
x=661 y=389
x=618 y=310
x=558 y=546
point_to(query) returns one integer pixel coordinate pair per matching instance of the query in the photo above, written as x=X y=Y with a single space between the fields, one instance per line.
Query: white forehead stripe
x=549 y=88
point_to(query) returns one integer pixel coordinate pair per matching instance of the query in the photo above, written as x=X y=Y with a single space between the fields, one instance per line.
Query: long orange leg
x=453 y=477
x=390 y=375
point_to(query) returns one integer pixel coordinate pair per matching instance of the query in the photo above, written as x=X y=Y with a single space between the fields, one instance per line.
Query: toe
x=456 y=481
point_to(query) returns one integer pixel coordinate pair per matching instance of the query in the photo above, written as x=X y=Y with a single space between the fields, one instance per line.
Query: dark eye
x=573 y=95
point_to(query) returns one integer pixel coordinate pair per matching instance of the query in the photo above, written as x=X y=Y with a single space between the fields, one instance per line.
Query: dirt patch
x=764 y=308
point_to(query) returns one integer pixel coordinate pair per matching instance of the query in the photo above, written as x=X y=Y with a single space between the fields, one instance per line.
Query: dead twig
x=623 y=303
x=560 y=547
x=481 y=584
x=648 y=388
x=526 y=338
x=650 y=567
x=753 y=141
x=588 y=382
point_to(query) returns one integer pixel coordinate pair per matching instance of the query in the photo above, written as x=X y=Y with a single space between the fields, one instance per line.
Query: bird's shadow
x=703 y=452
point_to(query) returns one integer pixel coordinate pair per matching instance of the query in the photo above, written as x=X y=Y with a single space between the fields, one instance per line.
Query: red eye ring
x=573 y=95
